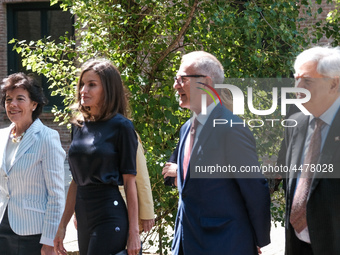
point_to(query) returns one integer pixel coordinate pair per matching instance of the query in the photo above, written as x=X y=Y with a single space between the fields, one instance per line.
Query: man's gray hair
x=205 y=64
x=327 y=58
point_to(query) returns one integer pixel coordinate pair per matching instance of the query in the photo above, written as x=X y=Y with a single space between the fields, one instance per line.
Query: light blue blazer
x=33 y=186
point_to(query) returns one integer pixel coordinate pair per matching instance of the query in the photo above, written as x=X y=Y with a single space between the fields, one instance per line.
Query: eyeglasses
x=178 y=78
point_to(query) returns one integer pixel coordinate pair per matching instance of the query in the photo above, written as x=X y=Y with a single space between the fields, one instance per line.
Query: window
x=33 y=21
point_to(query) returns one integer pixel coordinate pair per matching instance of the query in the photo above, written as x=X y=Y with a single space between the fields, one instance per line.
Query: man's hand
x=259 y=250
x=170 y=169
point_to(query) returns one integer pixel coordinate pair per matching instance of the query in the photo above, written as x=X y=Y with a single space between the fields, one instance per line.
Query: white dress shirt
x=201 y=120
x=327 y=117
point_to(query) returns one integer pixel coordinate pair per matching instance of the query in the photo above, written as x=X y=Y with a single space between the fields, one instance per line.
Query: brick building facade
x=310 y=20
x=46 y=117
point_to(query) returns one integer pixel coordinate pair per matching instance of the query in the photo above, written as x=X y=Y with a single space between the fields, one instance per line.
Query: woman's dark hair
x=27 y=82
x=115 y=100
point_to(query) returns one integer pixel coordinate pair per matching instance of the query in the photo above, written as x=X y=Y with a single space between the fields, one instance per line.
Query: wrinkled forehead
x=186 y=68
x=308 y=69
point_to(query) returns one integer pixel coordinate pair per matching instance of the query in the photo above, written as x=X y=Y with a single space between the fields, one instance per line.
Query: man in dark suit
x=313 y=155
x=219 y=211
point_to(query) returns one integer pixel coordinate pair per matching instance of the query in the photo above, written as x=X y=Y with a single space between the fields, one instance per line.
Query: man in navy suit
x=313 y=220
x=218 y=213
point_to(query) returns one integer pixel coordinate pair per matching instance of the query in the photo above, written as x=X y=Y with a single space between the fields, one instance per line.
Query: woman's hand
x=58 y=241
x=68 y=212
x=75 y=222
x=47 y=250
x=133 y=244
x=148 y=224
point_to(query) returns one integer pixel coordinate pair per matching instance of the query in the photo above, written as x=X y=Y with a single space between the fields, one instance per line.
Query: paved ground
x=70 y=242
x=275 y=248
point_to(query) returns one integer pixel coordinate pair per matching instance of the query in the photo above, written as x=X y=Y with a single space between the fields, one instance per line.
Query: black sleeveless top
x=102 y=151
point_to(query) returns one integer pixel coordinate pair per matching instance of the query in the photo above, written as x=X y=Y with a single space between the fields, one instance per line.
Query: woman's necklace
x=14 y=138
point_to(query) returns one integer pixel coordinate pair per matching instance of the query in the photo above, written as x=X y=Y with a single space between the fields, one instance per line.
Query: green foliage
x=328 y=28
x=331 y=27
x=278 y=206
x=145 y=40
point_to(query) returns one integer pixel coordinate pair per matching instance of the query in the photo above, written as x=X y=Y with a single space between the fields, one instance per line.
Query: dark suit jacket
x=221 y=215
x=170 y=181
x=323 y=205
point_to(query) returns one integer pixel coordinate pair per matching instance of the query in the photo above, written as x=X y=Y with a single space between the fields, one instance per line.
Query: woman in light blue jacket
x=31 y=172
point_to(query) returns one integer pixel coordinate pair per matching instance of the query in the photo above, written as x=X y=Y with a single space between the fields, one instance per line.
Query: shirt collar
x=202 y=119
x=329 y=114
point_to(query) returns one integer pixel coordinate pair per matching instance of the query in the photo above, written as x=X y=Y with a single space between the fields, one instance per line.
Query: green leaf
x=18 y=49
x=250 y=39
x=53 y=2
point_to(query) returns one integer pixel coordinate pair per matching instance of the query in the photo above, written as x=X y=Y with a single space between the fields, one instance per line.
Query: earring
x=33 y=110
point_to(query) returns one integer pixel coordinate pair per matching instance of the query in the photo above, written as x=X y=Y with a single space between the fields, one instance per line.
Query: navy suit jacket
x=323 y=204
x=221 y=215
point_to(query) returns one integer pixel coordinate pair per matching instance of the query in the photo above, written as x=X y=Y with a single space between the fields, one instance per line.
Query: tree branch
x=173 y=44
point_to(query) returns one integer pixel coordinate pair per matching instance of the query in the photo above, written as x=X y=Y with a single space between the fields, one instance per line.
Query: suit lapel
x=298 y=140
x=331 y=144
x=181 y=155
x=206 y=130
x=201 y=140
x=27 y=141
x=4 y=134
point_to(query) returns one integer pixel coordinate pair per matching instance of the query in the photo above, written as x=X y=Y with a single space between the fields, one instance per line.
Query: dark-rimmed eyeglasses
x=179 y=79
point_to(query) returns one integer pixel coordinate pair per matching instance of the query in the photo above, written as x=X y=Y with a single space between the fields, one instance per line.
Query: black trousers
x=181 y=252
x=294 y=246
x=102 y=220
x=306 y=249
x=13 y=244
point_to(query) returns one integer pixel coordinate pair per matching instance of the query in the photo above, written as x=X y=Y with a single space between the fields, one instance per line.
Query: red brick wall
x=315 y=17
x=3 y=40
x=46 y=118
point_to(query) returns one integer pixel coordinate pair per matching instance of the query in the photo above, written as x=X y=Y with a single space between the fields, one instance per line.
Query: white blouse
x=11 y=151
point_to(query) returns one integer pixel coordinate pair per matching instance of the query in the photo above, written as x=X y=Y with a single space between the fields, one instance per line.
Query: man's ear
x=209 y=81
x=335 y=85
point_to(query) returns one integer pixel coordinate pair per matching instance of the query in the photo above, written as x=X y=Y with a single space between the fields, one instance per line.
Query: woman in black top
x=102 y=156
